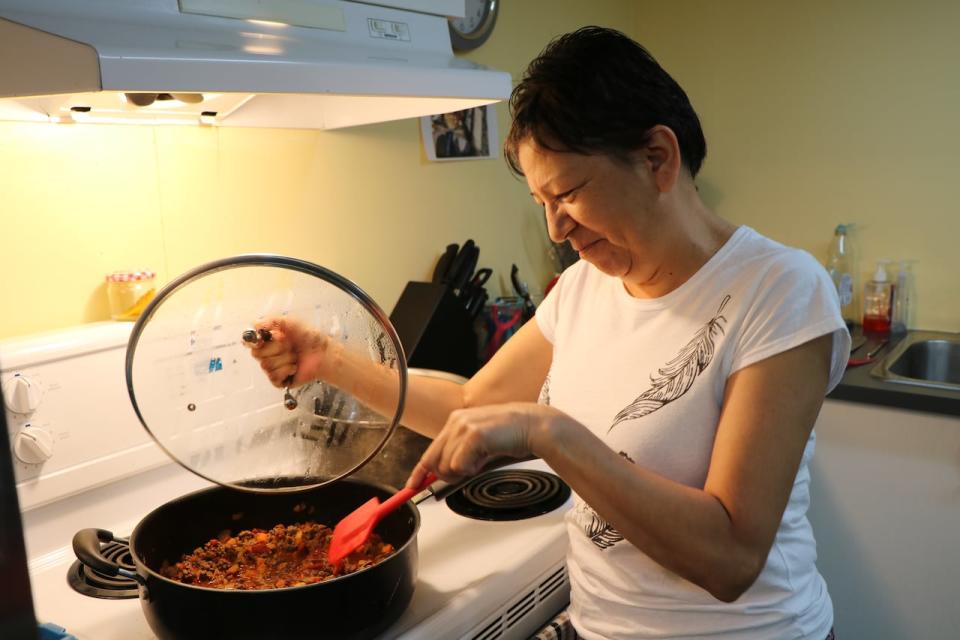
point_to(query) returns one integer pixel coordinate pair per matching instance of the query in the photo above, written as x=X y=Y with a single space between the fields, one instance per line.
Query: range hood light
x=263 y=50
x=268 y=23
x=262 y=36
x=166 y=103
x=185 y=98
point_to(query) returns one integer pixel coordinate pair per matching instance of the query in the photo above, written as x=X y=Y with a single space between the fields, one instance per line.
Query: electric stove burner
x=509 y=494
x=92 y=583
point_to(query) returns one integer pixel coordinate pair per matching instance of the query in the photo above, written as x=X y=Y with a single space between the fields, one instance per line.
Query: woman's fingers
x=436 y=458
x=447 y=454
x=279 y=368
x=429 y=460
x=469 y=444
x=467 y=459
x=294 y=349
x=416 y=476
x=274 y=325
x=470 y=438
x=269 y=349
x=276 y=355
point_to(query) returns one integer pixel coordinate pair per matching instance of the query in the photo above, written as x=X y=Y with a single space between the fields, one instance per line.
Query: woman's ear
x=662 y=155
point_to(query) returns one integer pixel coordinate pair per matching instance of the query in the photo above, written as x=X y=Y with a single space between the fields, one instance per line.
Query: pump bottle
x=841 y=270
x=878 y=302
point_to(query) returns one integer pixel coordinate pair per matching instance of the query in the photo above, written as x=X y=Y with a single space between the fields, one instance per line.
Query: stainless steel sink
x=924 y=358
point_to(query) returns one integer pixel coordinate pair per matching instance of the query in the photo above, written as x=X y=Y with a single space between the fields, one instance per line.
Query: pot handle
x=86 y=546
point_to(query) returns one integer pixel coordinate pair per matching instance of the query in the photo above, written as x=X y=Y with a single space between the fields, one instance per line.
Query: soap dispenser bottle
x=878 y=302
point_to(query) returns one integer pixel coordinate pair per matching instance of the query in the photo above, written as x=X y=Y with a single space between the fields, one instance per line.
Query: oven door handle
x=86 y=546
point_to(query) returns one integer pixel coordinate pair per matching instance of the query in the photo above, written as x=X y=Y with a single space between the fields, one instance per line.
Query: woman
x=679 y=365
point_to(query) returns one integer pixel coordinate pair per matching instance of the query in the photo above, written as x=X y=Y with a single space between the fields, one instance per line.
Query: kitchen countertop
x=858 y=385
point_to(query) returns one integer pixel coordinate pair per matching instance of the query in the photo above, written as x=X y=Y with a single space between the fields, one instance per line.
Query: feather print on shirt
x=676 y=377
x=544 y=397
x=601 y=533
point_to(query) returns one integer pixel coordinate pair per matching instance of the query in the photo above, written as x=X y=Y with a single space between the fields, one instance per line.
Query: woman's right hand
x=295 y=354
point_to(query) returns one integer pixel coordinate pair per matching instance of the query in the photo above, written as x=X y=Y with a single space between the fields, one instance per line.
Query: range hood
x=321 y=64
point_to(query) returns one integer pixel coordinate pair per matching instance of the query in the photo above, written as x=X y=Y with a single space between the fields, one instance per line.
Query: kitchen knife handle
x=457 y=265
x=466 y=273
x=481 y=276
x=441 y=272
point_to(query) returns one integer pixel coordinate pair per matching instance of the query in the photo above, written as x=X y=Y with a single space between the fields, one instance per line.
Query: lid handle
x=259 y=336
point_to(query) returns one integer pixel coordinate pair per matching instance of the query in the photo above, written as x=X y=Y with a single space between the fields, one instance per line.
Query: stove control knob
x=21 y=394
x=33 y=445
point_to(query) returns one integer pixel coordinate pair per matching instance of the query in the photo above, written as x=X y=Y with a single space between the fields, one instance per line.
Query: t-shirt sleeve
x=548 y=310
x=569 y=287
x=796 y=303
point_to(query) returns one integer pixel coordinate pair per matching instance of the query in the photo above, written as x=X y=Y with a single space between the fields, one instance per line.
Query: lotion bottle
x=878 y=302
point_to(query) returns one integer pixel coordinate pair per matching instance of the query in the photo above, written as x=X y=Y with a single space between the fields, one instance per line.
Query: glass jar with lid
x=129 y=292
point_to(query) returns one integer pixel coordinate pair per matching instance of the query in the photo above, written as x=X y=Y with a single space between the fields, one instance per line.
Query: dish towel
x=557 y=629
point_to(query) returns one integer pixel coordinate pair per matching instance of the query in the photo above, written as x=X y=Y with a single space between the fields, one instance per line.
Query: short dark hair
x=595 y=90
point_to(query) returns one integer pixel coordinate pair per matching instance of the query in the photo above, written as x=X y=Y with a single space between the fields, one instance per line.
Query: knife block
x=435 y=330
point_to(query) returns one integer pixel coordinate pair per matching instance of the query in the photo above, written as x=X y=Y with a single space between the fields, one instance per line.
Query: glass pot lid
x=205 y=400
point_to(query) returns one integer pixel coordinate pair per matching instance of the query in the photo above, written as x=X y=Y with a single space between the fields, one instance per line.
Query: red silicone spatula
x=356 y=527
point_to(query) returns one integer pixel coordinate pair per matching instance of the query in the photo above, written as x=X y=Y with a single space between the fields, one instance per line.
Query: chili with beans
x=285 y=556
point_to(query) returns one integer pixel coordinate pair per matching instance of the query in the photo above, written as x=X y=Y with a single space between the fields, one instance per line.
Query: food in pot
x=285 y=556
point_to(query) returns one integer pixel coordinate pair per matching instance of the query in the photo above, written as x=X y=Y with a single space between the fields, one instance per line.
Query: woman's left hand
x=471 y=437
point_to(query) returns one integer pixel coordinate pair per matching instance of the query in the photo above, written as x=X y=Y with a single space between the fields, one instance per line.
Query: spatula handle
x=403 y=495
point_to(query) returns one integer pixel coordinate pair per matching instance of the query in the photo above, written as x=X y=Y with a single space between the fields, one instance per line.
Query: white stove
x=93 y=465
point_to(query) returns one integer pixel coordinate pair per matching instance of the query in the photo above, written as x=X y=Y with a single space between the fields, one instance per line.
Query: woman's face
x=603 y=206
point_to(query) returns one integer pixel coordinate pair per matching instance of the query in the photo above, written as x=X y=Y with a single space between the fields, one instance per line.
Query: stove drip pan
x=92 y=583
x=509 y=494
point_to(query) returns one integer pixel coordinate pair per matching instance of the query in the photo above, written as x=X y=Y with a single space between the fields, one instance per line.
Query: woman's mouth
x=586 y=247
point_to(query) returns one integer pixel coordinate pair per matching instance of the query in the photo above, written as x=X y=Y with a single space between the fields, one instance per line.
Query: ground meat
x=285 y=556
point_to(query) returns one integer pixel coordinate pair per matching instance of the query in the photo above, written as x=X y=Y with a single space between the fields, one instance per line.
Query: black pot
x=355 y=606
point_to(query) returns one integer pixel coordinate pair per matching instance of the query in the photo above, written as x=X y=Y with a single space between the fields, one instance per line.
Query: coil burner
x=92 y=583
x=509 y=494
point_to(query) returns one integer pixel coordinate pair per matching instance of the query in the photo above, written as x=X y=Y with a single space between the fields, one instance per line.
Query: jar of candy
x=129 y=292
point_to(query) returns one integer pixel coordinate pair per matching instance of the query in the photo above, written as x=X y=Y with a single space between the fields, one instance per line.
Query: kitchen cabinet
x=885 y=508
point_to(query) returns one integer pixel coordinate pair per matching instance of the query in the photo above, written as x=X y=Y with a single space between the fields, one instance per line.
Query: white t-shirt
x=647 y=376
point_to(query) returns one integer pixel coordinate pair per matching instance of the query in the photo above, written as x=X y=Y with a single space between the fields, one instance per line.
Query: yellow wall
x=79 y=201
x=815 y=113
x=823 y=112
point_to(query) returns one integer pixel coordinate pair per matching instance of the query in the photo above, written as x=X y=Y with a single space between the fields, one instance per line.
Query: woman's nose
x=559 y=225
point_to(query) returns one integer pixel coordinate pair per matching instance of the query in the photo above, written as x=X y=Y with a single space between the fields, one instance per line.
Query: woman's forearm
x=682 y=528
x=428 y=401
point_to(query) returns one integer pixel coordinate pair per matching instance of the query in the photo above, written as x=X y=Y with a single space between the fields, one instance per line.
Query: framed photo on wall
x=470 y=134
